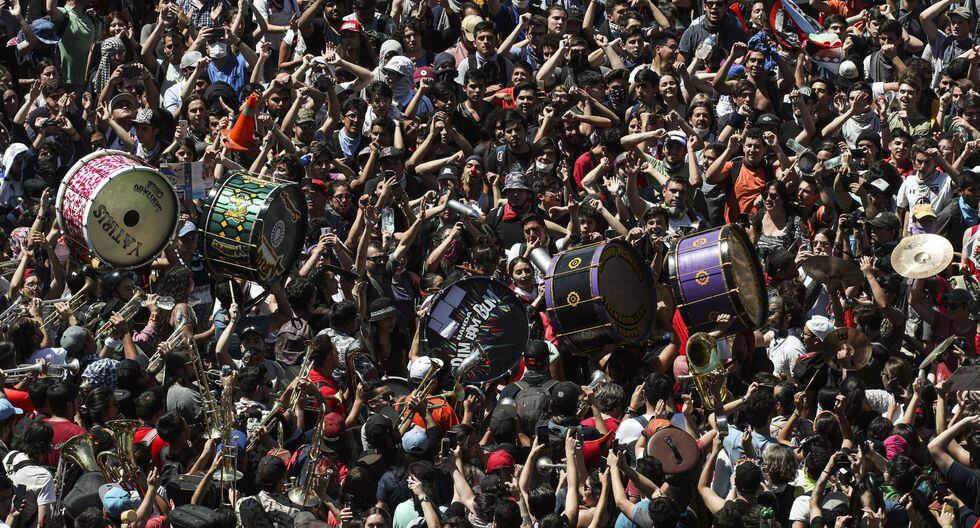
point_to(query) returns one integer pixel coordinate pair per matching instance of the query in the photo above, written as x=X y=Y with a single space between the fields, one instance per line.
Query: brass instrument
x=598 y=378
x=275 y=411
x=22 y=372
x=705 y=366
x=212 y=414
x=12 y=312
x=8 y=267
x=305 y=495
x=304 y=372
x=128 y=311
x=545 y=465
x=176 y=341
x=75 y=302
x=423 y=388
x=227 y=474
x=120 y=463
x=81 y=451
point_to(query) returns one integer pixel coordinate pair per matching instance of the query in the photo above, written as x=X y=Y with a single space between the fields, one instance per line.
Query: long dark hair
x=174 y=284
x=23 y=334
x=96 y=403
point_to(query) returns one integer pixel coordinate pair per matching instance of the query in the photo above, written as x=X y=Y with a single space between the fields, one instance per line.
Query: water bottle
x=388 y=220
x=704 y=50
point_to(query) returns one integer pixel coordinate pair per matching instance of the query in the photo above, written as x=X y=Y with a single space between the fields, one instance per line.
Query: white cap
x=848 y=70
x=421 y=366
x=820 y=326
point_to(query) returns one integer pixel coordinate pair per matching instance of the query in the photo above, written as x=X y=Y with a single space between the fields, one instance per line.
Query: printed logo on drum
x=116 y=232
x=278 y=233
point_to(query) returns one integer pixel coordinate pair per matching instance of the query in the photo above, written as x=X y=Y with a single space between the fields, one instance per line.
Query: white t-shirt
x=38 y=481
x=783 y=353
x=630 y=430
x=936 y=191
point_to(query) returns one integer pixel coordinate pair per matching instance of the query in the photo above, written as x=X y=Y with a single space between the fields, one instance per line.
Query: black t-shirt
x=964 y=482
x=503 y=160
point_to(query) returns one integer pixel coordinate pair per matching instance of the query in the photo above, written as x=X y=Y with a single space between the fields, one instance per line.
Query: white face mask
x=543 y=167
x=218 y=50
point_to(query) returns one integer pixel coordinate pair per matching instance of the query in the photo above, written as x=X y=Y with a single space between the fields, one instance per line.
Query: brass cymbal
x=825 y=268
x=847 y=348
x=922 y=256
x=940 y=349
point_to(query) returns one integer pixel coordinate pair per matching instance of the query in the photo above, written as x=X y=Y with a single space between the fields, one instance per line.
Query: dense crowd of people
x=439 y=140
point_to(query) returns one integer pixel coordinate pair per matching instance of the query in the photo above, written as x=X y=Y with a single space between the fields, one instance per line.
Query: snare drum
x=715 y=272
x=254 y=229
x=114 y=207
x=600 y=294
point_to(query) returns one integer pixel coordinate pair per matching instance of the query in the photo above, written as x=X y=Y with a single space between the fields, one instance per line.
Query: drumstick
x=231 y=288
x=812 y=379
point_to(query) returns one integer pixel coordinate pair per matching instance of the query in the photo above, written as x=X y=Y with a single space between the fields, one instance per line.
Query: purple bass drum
x=599 y=295
x=714 y=272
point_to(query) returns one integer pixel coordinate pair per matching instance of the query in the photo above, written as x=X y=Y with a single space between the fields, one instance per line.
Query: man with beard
x=167 y=72
x=716 y=22
x=745 y=178
x=534 y=27
x=765 y=98
x=886 y=64
x=506 y=220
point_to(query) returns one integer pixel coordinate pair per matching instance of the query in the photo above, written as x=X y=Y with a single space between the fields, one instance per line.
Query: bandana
x=511 y=214
x=110 y=47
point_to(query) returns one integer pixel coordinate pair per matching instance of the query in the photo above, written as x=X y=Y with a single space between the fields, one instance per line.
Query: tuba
x=80 y=450
x=705 y=366
x=120 y=463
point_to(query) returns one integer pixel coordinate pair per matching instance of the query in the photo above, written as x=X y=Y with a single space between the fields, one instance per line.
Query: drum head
x=283 y=232
x=627 y=288
x=676 y=450
x=747 y=276
x=475 y=313
x=131 y=217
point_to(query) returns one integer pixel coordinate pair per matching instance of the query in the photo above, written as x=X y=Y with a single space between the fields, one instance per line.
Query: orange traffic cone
x=241 y=137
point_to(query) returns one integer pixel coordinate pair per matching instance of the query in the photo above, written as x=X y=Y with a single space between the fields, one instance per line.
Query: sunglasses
x=379 y=259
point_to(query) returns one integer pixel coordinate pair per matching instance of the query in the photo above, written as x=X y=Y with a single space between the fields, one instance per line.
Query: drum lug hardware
x=607 y=325
x=569 y=272
x=594 y=299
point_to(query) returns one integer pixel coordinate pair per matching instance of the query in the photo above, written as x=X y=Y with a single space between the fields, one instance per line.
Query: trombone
x=305 y=495
x=422 y=390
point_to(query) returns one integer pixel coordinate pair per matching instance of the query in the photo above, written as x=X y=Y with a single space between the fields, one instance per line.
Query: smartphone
x=130 y=71
x=453 y=439
x=541 y=432
x=348 y=501
x=20 y=493
x=894 y=386
x=324 y=231
x=225 y=371
x=444 y=447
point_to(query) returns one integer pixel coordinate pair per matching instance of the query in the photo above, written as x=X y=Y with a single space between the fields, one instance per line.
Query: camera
x=850 y=220
x=322 y=82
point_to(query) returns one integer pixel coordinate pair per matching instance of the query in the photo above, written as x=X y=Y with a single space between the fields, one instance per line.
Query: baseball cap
x=575 y=15
x=848 y=70
x=115 y=500
x=469 y=25
x=960 y=11
x=305 y=115
x=820 y=326
x=421 y=366
x=499 y=459
x=536 y=355
x=887 y=220
x=73 y=340
x=144 y=116
x=516 y=180
x=564 y=398
x=271 y=470
x=352 y=25
x=120 y=98
x=449 y=172
x=767 y=120
x=187 y=229
x=878 y=184
x=678 y=136
x=333 y=427
x=380 y=309
x=922 y=211
x=190 y=58
x=868 y=135
x=424 y=72
x=390 y=152
x=401 y=64
x=503 y=421
x=415 y=441
x=7 y=410
x=378 y=430
x=748 y=477
x=253 y=330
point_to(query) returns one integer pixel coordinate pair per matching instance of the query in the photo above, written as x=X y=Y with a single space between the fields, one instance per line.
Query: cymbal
x=825 y=268
x=850 y=343
x=922 y=256
x=940 y=349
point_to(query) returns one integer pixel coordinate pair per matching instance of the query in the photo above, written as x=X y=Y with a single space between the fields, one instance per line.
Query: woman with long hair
x=178 y=283
x=779 y=224
x=98 y=408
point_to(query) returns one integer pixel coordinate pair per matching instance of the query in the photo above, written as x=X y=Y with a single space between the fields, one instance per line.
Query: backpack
x=533 y=403
x=807 y=366
x=291 y=341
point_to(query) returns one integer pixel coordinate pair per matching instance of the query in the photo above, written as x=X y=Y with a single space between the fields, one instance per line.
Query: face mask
x=218 y=50
x=701 y=132
x=617 y=97
x=543 y=167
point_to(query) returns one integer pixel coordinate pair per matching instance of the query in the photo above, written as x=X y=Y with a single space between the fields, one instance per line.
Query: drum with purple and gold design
x=599 y=295
x=716 y=272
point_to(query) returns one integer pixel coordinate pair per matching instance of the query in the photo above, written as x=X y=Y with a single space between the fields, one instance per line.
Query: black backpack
x=291 y=341
x=193 y=516
x=533 y=403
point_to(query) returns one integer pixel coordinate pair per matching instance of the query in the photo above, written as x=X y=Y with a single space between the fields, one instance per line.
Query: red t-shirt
x=63 y=431
x=329 y=387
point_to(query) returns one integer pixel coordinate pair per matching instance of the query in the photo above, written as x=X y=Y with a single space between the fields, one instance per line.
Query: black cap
x=449 y=172
x=390 y=152
x=536 y=355
x=271 y=470
x=564 y=398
